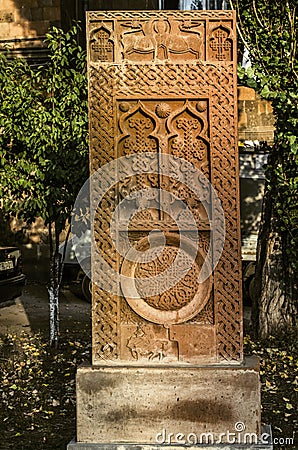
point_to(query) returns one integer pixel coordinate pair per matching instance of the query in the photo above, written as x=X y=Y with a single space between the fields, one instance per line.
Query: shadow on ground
x=30 y=311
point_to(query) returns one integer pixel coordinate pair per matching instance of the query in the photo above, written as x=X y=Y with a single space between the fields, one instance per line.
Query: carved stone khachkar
x=165 y=82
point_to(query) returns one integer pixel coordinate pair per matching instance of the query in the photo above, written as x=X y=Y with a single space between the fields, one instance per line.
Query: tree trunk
x=53 y=291
x=54 y=284
x=56 y=273
x=274 y=308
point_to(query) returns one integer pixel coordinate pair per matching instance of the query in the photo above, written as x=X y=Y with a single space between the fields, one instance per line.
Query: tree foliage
x=43 y=119
x=43 y=139
x=269 y=30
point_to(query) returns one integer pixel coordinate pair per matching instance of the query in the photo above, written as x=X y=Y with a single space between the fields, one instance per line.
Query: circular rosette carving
x=184 y=299
x=124 y=106
x=163 y=110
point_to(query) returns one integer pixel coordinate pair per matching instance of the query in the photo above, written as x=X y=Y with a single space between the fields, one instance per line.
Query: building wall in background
x=23 y=24
x=255 y=117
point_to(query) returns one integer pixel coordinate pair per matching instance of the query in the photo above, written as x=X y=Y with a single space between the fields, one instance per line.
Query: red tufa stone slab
x=165 y=81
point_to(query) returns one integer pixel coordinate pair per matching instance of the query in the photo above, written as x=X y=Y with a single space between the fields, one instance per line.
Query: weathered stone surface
x=134 y=404
x=165 y=82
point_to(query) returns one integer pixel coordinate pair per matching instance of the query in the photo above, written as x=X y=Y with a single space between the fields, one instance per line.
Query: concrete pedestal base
x=77 y=446
x=266 y=445
x=168 y=405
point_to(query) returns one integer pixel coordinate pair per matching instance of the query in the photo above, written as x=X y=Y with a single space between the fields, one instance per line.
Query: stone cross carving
x=165 y=82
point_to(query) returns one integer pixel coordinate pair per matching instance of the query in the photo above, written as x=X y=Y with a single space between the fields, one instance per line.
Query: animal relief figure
x=162 y=39
x=144 y=344
x=138 y=38
x=185 y=38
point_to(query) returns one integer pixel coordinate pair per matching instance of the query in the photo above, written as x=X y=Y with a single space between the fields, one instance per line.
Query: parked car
x=12 y=279
x=73 y=275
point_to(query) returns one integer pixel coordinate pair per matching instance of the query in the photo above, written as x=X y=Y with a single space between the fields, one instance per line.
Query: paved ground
x=30 y=312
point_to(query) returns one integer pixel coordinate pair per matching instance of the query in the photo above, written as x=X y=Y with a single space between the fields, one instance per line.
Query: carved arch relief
x=175 y=126
x=179 y=127
x=102 y=44
x=137 y=128
x=188 y=139
x=188 y=133
x=158 y=125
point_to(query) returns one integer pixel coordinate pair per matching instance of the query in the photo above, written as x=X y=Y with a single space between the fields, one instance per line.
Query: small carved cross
x=221 y=45
x=103 y=46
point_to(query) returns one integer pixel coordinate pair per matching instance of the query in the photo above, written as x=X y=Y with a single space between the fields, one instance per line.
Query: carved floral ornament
x=163 y=110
